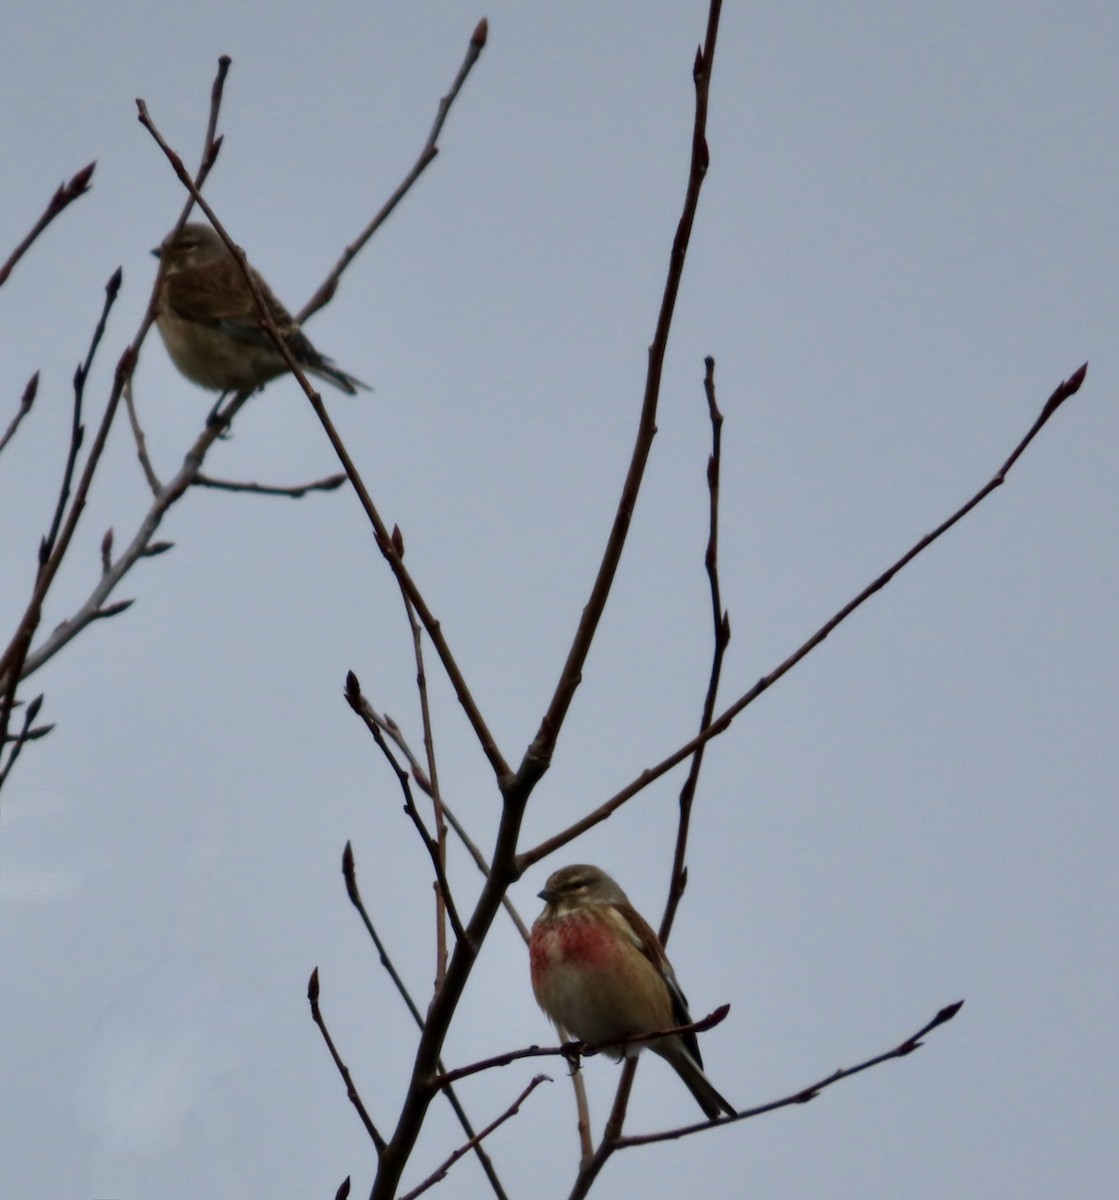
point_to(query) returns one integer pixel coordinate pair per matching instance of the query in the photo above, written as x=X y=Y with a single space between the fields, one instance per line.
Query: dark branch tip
x=947 y=1013
x=81 y=178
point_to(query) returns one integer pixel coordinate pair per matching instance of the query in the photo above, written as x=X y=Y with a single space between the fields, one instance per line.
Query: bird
x=209 y=322
x=600 y=973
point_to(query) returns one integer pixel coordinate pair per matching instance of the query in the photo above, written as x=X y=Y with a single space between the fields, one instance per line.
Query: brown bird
x=210 y=324
x=600 y=972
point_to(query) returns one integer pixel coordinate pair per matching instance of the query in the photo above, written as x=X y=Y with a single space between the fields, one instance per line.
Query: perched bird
x=600 y=972
x=210 y=324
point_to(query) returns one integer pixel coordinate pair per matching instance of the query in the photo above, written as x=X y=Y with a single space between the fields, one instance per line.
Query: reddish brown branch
x=296 y=491
x=516 y=789
x=539 y=754
x=94 y=606
x=612 y=1142
x=14 y=664
x=25 y=403
x=723 y=721
x=380 y=529
x=355 y=700
x=802 y=1096
x=577 y=1050
x=29 y=732
x=66 y=194
x=77 y=430
x=350 y=876
x=431 y=776
x=720 y=622
x=430 y=149
x=351 y=1091
x=441 y=1171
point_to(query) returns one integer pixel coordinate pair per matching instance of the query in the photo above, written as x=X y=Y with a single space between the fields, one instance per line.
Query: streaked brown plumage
x=210 y=325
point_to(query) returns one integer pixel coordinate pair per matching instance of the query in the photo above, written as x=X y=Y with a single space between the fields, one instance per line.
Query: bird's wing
x=216 y=294
x=645 y=939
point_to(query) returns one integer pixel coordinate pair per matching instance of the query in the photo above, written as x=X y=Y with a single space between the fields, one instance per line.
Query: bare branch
x=141 y=546
x=432 y=774
x=26 y=400
x=504 y=864
x=392 y=731
x=28 y=733
x=720 y=622
x=330 y=285
x=66 y=194
x=343 y=1070
x=723 y=721
x=539 y=754
x=16 y=662
x=573 y=1051
x=354 y=894
x=141 y=440
x=77 y=430
x=354 y=699
x=383 y=537
x=441 y=1171
x=330 y=483
x=805 y=1094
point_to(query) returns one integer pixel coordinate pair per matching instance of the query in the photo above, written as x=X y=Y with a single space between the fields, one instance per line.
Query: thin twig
x=805 y=1094
x=141 y=546
x=573 y=1051
x=483 y=866
x=354 y=699
x=392 y=731
x=720 y=621
x=350 y=876
x=441 y=1171
x=504 y=863
x=77 y=429
x=141 y=440
x=211 y=147
x=329 y=285
x=432 y=773
x=16 y=661
x=27 y=733
x=25 y=402
x=383 y=537
x=329 y=484
x=66 y=194
x=351 y=1091
x=539 y=754
x=590 y=1171
x=723 y=721
x=93 y=607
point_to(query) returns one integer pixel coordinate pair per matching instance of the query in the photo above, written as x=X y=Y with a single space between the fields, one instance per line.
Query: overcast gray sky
x=906 y=240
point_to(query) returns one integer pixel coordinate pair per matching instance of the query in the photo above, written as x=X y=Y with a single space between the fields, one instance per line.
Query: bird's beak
x=546 y=895
x=156 y=253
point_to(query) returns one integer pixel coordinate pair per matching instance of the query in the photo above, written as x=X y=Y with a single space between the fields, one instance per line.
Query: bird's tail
x=325 y=369
x=711 y=1101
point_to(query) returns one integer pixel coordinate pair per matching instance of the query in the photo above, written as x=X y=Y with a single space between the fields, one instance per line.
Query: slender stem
x=539 y=754
x=723 y=721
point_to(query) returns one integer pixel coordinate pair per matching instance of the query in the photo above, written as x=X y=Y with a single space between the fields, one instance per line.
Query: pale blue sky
x=906 y=240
